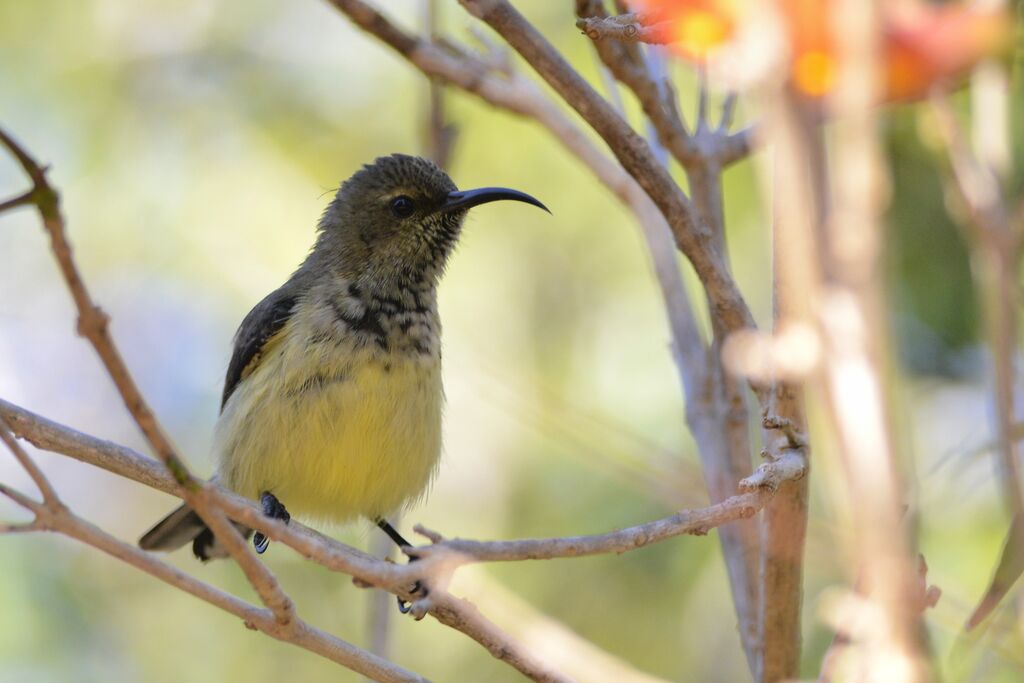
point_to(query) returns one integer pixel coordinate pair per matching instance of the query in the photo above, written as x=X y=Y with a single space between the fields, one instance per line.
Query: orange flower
x=940 y=43
x=698 y=26
x=919 y=47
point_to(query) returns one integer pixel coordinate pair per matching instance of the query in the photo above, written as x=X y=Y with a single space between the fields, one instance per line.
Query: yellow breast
x=333 y=430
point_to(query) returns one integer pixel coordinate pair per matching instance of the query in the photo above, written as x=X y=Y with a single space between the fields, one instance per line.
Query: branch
x=995 y=235
x=715 y=408
x=627 y=27
x=92 y=321
x=686 y=522
x=657 y=99
x=53 y=515
x=707 y=145
x=996 y=241
x=297 y=632
x=783 y=533
x=438 y=560
x=631 y=150
x=367 y=570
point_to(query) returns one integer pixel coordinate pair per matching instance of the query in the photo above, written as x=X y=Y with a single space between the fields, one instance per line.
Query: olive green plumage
x=332 y=400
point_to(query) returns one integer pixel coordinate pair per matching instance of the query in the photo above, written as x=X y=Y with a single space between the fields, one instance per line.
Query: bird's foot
x=418 y=590
x=274 y=509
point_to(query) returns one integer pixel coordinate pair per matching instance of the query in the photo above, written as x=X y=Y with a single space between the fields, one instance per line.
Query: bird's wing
x=253 y=337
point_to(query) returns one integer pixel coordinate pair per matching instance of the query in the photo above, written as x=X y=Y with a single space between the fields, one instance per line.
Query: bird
x=332 y=401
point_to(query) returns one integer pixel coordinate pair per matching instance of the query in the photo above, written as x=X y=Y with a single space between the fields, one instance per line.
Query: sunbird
x=332 y=402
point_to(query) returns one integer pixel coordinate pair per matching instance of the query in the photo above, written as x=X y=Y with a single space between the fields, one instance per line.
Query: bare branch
x=296 y=632
x=783 y=532
x=632 y=151
x=438 y=560
x=92 y=321
x=996 y=243
x=728 y=110
x=657 y=101
x=626 y=27
x=578 y=657
x=686 y=522
x=996 y=239
x=465 y=617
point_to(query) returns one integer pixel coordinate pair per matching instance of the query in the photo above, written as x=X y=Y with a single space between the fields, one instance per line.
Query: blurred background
x=196 y=142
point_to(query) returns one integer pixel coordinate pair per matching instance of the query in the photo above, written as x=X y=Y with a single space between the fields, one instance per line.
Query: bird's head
x=397 y=219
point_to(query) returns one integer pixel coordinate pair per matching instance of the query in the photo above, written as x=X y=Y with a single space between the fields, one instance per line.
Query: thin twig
x=997 y=245
x=702 y=100
x=42 y=483
x=21 y=499
x=728 y=111
x=628 y=66
x=24 y=199
x=995 y=235
x=686 y=522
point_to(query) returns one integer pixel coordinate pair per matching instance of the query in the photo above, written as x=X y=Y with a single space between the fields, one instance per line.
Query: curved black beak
x=461 y=200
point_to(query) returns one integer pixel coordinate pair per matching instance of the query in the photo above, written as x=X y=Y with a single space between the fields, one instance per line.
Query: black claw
x=274 y=509
x=418 y=590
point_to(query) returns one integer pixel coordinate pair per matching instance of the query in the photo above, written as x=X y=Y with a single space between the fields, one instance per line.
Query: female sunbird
x=332 y=401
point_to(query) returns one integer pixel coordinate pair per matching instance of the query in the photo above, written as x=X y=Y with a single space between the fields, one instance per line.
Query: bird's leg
x=274 y=509
x=386 y=527
x=400 y=541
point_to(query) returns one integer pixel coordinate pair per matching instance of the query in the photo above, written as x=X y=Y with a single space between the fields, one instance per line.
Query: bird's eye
x=402 y=206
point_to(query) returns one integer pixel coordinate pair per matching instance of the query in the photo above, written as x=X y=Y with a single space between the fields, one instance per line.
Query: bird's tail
x=180 y=527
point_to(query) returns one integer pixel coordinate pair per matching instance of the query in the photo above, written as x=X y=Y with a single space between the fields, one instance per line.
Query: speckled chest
x=399 y=324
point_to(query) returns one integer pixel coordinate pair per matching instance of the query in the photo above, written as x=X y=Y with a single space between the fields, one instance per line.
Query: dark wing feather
x=262 y=323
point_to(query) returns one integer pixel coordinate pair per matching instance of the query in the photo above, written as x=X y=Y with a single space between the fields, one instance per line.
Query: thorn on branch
x=430 y=535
